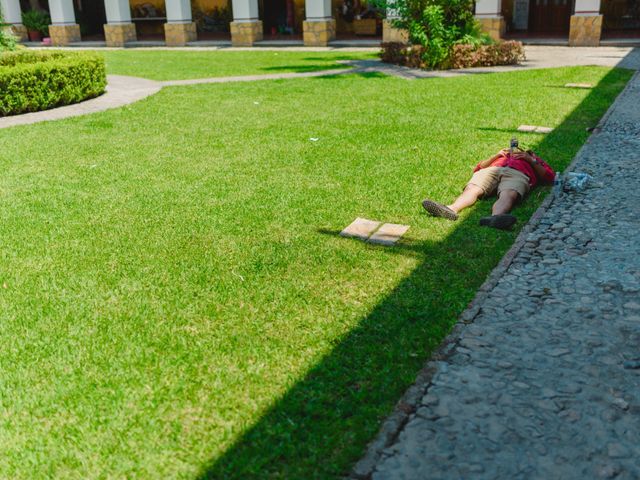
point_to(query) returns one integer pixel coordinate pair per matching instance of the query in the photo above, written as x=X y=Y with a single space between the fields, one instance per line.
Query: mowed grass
x=175 y=301
x=181 y=65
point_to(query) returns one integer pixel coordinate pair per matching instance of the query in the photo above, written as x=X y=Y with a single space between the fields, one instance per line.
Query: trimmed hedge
x=31 y=81
x=461 y=55
x=500 y=53
x=403 y=54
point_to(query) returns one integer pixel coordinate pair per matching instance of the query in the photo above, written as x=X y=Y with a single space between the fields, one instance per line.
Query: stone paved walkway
x=543 y=380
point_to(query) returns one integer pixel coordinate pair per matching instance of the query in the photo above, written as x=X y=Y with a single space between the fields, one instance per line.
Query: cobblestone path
x=545 y=382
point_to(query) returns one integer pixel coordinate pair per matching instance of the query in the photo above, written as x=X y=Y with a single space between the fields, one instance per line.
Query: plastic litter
x=557 y=184
x=578 y=182
x=313 y=139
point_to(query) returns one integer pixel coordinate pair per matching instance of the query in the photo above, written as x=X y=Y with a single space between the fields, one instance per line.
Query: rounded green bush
x=31 y=81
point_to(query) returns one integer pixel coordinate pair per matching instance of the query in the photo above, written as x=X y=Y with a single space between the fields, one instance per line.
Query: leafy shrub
x=403 y=54
x=7 y=42
x=501 y=53
x=461 y=56
x=37 y=20
x=31 y=81
x=30 y=56
x=437 y=25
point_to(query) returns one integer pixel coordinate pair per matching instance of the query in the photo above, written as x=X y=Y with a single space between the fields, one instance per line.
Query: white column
x=118 y=11
x=245 y=11
x=389 y=31
x=489 y=8
x=62 y=12
x=319 y=28
x=587 y=8
x=178 y=11
x=489 y=14
x=11 y=11
x=180 y=28
x=119 y=30
x=318 y=10
x=246 y=28
x=392 y=12
x=64 y=29
x=586 y=24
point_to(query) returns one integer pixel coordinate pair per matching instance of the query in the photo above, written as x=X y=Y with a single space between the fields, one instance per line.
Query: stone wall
x=117 y=35
x=64 y=34
x=585 y=31
x=179 y=34
x=19 y=32
x=494 y=26
x=245 y=34
x=392 y=34
x=318 y=34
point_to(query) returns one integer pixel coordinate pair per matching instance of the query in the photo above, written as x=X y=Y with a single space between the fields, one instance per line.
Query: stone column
x=489 y=14
x=180 y=28
x=119 y=29
x=320 y=27
x=586 y=24
x=63 y=29
x=389 y=32
x=12 y=14
x=246 y=28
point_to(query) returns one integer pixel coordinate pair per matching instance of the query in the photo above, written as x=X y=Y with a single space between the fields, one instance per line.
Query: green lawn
x=181 y=65
x=176 y=302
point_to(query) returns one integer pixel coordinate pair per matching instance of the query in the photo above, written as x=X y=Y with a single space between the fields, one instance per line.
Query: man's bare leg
x=469 y=196
x=501 y=218
x=506 y=201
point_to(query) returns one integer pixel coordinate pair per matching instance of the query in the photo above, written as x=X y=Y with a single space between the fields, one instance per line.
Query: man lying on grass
x=511 y=174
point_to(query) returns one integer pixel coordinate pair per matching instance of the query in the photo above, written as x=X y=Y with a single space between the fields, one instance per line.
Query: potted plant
x=365 y=26
x=365 y=20
x=37 y=24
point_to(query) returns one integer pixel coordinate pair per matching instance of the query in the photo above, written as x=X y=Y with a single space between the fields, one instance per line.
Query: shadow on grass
x=408 y=246
x=321 y=426
x=338 y=58
x=512 y=131
x=352 y=72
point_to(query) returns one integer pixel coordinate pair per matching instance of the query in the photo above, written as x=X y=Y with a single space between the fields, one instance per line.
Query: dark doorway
x=278 y=17
x=621 y=19
x=91 y=17
x=549 y=16
x=34 y=5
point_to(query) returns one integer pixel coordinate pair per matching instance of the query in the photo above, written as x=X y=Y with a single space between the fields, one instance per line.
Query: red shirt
x=506 y=160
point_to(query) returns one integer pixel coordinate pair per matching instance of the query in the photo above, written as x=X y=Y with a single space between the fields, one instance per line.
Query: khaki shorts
x=501 y=178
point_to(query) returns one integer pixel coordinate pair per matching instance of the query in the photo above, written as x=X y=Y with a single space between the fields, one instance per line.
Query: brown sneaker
x=438 y=210
x=501 y=222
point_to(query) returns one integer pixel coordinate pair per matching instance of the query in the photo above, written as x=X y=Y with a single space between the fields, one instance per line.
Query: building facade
x=316 y=22
x=580 y=22
x=245 y=21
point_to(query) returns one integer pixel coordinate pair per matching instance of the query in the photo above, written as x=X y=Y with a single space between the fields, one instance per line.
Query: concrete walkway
x=257 y=78
x=536 y=57
x=121 y=91
x=124 y=90
x=541 y=377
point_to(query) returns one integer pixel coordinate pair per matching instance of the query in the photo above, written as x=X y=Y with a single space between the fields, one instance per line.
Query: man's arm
x=543 y=171
x=487 y=163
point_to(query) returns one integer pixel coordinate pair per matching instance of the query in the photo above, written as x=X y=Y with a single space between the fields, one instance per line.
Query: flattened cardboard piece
x=388 y=234
x=360 y=228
